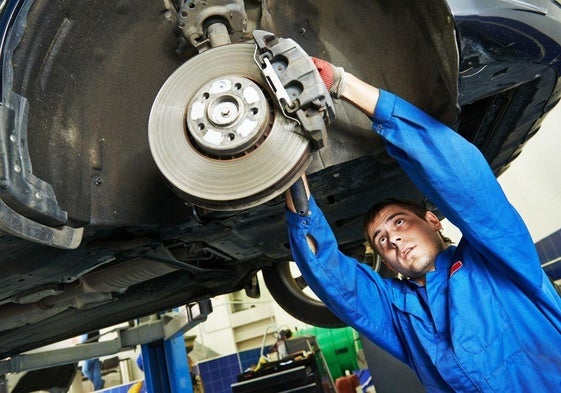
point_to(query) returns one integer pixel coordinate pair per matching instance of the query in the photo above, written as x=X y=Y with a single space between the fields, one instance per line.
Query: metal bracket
x=295 y=84
x=195 y=16
x=162 y=329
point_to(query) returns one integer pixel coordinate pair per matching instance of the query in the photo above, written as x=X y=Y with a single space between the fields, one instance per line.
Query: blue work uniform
x=488 y=318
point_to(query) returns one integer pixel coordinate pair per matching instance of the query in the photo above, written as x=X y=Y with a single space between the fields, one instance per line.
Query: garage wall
x=227 y=331
x=533 y=184
x=549 y=250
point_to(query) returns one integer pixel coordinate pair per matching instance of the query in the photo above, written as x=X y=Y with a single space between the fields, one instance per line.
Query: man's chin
x=419 y=273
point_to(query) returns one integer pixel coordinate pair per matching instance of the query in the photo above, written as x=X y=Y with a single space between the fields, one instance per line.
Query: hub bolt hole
x=253 y=111
x=231 y=136
x=206 y=96
x=201 y=126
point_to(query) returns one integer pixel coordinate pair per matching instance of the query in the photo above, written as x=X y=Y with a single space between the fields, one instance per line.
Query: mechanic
x=479 y=317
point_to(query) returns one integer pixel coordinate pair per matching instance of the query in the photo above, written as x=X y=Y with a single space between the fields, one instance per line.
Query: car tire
x=289 y=292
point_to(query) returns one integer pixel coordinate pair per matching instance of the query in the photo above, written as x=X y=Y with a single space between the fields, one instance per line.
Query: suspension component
x=196 y=17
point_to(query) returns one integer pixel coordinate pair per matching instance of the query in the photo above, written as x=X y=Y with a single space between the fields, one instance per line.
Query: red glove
x=333 y=77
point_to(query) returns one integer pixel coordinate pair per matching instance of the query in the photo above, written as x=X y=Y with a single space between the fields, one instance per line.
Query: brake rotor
x=217 y=137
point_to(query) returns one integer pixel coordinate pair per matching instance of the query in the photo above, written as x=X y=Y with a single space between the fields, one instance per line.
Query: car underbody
x=114 y=207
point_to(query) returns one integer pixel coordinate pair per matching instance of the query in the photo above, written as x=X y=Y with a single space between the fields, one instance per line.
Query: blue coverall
x=488 y=319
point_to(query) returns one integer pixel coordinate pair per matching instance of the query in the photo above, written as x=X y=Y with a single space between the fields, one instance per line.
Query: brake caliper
x=295 y=84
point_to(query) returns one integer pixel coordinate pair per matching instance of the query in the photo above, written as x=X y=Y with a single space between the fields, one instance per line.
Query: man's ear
x=433 y=220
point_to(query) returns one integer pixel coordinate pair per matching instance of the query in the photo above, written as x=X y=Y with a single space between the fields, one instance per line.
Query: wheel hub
x=227 y=116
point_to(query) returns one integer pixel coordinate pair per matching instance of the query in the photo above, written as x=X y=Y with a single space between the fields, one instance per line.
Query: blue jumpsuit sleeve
x=455 y=176
x=352 y=290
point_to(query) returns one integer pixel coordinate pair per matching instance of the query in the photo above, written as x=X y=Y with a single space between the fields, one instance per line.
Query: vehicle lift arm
x=163 y=349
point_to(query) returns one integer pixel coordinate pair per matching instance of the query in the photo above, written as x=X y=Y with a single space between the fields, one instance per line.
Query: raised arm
x=455 y=176
x=351 y=290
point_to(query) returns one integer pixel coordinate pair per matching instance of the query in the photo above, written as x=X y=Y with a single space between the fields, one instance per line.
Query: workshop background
x=241 y=329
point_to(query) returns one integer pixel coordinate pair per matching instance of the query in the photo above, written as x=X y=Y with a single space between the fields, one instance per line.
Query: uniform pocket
x=477 y=318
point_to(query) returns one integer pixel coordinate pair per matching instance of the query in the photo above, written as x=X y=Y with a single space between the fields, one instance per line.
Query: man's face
x=407 y=243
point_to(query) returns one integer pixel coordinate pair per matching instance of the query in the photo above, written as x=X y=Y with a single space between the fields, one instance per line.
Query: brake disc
x=217 y=137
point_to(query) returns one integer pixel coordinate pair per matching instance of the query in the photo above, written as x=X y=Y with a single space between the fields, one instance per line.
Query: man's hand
x=333 y=77
x=291 y=206
x=305 y=193
x=341 y=84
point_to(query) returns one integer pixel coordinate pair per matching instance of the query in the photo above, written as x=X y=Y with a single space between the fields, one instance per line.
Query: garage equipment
x=161 y=341
x=301 y=372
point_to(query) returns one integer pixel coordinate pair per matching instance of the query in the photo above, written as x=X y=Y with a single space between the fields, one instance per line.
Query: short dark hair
x=416 y=208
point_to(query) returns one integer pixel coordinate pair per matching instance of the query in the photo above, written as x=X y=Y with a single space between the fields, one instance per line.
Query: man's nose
x=395 y=238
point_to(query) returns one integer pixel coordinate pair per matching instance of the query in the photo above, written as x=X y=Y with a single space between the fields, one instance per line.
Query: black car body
x=92 y=233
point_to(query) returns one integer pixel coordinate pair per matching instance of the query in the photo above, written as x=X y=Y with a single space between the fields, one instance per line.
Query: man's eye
x=399 y=221
x=382 y=240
